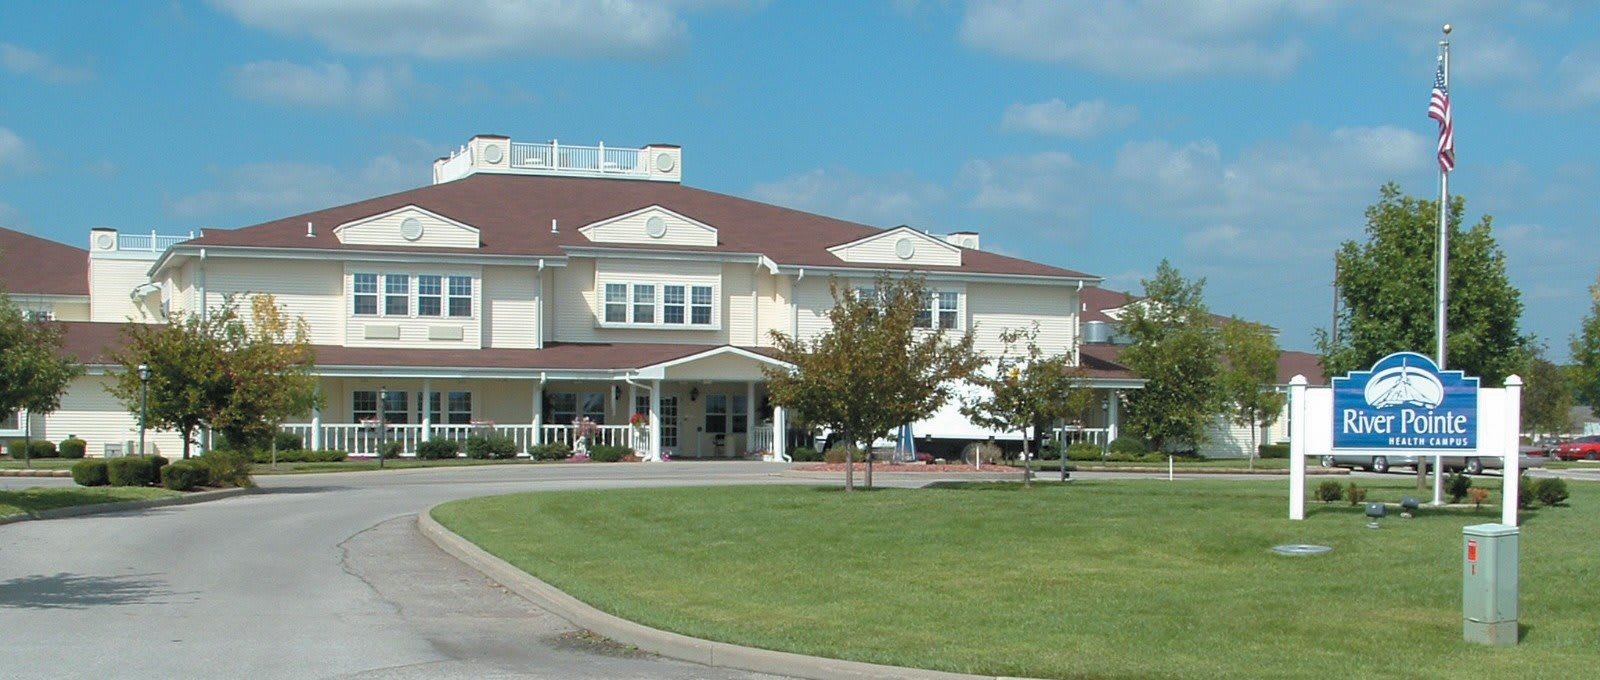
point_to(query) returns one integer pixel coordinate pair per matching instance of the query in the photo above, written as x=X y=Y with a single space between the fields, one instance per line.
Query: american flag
x=1439 y=110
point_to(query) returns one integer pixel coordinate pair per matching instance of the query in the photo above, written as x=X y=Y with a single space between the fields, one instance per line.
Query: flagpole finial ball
x=1447 y=29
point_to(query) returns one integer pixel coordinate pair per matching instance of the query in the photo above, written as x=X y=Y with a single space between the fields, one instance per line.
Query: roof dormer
x=408 y=226
x=901 y=245
x=652 y=226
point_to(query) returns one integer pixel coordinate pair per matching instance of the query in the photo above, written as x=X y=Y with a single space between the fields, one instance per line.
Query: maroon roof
x=1291 y=364
x=1104 y=361
x=1101 y=361
x=90 y=342
x=513 y=214
x=34 y=266
x=1097 y=300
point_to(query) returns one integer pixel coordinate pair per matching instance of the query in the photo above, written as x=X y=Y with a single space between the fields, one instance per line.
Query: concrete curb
x=120 y=506
x=35 y=472
x=929 y=477
x=654 y=641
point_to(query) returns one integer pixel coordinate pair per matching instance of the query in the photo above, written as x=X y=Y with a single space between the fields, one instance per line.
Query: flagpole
x=1442 y=295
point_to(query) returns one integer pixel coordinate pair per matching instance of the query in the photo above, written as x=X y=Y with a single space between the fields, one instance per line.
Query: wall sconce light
x=616 y=391
x=694 y=393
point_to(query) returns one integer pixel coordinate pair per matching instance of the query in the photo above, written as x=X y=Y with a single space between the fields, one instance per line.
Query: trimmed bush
x=491 y=446
x=438 y=449
x=391 y=450
x=90 y=472
x=1551 y=491
x=300 y=456
x=1083 y=451
x=551 y=451
x=185 y=475
x=288 y=441
x=1524 y=492
x=16 y=448
x=1050 y=451
x=1329 y=491
x=1129 y=447
x=157 y=462
x=130 y=471
x=609 y=454
x=805 y=454
x=1355 y=494
x=42 y=449
x=227 y=468
x=1456 y=485
x=73 y=447
x=1273 y=450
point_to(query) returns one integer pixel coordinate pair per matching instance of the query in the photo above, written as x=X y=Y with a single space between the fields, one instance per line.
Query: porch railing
x=760 y=439
x=362 y=438
x=1067 y=436
x=606 y=435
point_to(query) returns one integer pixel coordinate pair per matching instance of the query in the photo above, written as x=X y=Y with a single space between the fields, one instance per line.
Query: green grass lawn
x=31 y=500
x=1097 y=579
x=360 y=465
x=38 y=464
x=1214 y=464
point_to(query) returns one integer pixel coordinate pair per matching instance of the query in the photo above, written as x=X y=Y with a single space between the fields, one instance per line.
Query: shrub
x=300 y=456
x=1457 y=485
x=1132 y=447
x=129 y=471
x=1273 y=450
x=91 y=472
x=437 y=449
x=16 y=447
x=609 y=454
x=1329 y=491
x=227 y=468
x=837 y=454
x=185 y=475
x=805 y=454
x=1551 y=491
x=1050 y=451
x=1355 y=494
x=156 y=463
x=323 y=456
x=42 y=449
x=1479 y=495
x=288 y=441
x=485 y=446
x=73 y=447
x=551 y=451
x=1083 y=451
x=1524 y=492
x=391 y=450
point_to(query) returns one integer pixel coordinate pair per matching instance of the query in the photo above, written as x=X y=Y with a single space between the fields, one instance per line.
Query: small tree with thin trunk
x=1028 y=389
x=188 y=368
x=873 y=370
x=269 y=373
x=1546 y=397
x=1585 y=371
x=1249 y=370
x=33 y=374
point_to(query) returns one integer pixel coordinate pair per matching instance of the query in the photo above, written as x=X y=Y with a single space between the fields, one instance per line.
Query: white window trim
x=22 y=425
x=412 y=286
x=659 y=305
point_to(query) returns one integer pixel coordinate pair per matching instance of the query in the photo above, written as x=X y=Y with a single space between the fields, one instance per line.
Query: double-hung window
x=364 y=289
x=364 y=406
x=430 y=295
x=672 y=304
x=658 y=304
x=457 y=407
x=700 y=305
x=396 y=295
x=566 y=407
x=644 y=303
x=939 y=310
x=616 y=303
x=460 y=295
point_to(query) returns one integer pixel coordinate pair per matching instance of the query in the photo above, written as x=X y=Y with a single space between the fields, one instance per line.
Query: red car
x=1582 y=448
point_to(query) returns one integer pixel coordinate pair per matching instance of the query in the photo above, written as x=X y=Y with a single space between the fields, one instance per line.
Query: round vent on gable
x=905 y=248
x=493 y=153
x=655 y=226
x=664 y=162
x=411 y=229
x=105 y=241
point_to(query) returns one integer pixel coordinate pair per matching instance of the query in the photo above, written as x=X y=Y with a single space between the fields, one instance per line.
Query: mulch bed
x=884 y=467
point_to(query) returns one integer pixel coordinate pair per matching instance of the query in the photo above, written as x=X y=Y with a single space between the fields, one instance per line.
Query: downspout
x=1077 y=329
x=538 y=306
x=200 y=276
x=794 y=304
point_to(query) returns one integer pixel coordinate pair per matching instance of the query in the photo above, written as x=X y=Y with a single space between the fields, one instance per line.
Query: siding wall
x=90 y=412
x=110 y=282
x=576 y=299
x=414 y=331
x=385 y=231
x=510 y=310
x=306 y=289
x=882 y=249
x=993 y=308
x=631 y=229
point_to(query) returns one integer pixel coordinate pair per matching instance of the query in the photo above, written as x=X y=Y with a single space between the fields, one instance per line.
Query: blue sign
x=1405 y=402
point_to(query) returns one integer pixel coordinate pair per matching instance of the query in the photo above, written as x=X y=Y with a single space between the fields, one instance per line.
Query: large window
x=456 y=407
x=939 y=310
x=667 y=305
x=11 y=423
x=727 y=414
x=565 y=407
x=436 y=295
x=396 y=406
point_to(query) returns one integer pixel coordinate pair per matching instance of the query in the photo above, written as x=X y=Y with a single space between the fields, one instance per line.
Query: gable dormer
x=650 y=226
x=408 y=226
x=901 y=245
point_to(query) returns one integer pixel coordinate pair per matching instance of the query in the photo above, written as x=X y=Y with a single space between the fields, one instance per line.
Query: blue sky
x=1239 y=139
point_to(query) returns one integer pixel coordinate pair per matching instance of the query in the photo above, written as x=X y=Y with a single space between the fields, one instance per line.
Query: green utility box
x=1489 y=583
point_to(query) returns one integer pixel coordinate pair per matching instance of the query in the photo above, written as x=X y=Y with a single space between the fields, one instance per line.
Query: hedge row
x=214 y=468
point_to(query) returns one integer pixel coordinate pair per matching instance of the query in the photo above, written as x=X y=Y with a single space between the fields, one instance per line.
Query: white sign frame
x=1499 y=426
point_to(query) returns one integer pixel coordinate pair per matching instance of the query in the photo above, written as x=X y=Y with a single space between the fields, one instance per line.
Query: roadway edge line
x=656 y=641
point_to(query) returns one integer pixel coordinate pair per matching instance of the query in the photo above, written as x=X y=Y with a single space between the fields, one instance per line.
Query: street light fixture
x=144 y=398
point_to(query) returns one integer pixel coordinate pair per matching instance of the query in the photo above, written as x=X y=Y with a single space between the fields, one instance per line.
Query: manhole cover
x=1301 y=549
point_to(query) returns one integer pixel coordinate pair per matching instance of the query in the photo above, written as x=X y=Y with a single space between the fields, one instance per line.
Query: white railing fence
x=1067 y=436
x=760 y=439
x=605 y=435
x=151 y=242
x=554 y=155
x=362 y=438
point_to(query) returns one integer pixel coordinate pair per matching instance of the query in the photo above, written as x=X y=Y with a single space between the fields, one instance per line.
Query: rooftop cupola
x=499 y=154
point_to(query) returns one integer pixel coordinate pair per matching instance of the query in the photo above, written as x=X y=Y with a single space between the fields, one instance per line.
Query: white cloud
x=1578 y=74
x=1146 y=38
x=474 y=28
x=269 y=190
x=1078 y=121
x=884 y=201
x=26 y=62
x=15 y=154
x=325 y=86
x=1048 y=183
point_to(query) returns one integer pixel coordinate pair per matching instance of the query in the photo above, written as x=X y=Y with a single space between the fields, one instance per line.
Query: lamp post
x=382 y=421
x=144 y=398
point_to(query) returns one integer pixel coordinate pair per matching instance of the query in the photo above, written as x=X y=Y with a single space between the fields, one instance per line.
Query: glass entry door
x=669 y=422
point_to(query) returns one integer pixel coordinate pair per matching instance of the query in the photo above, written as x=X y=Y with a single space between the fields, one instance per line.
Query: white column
x=749 y=414
x=1509 y=443
x=1112 y=397
x=1297 y=447
x=538 y=412
x=780 y=432
x=655 y=420
x=316 y=428
x=427 y=412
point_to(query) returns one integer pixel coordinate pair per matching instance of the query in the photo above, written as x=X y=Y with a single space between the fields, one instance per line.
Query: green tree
x=1387 y=284
x=33 y=373
x=268 y=374
x=873 y=370
x=1174 y=348
x=1249 y=372
x=187 y=364
x=1546 y=397
x=1027 y=390
x=1586 y=355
